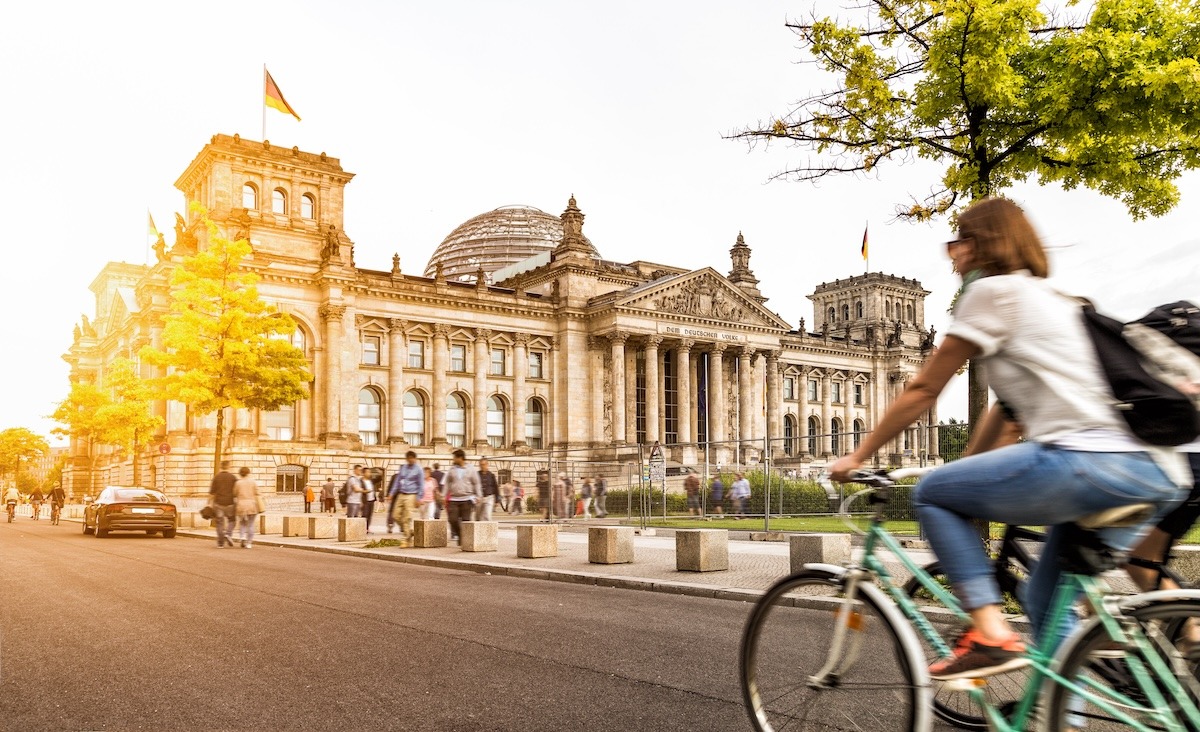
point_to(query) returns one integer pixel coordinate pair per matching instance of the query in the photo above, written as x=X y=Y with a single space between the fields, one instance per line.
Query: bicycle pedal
x=964 y=684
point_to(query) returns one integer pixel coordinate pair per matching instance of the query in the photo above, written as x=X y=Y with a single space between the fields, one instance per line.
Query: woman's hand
x=841 y=470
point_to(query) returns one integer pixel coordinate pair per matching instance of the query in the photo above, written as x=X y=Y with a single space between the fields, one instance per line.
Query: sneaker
x=975 y=657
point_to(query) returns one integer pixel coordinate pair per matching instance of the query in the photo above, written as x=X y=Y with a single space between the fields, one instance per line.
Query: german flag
x=273 y=98
x=864 y=244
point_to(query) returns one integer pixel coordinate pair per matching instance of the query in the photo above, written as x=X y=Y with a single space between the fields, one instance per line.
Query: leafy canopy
x=118 y=413
x=19 y=445
x=1002 y=91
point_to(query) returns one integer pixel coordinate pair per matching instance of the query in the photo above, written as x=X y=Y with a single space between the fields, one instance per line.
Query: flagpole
x=264 y=103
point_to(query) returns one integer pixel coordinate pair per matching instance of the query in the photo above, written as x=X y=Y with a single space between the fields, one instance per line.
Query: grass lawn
x=819 y=524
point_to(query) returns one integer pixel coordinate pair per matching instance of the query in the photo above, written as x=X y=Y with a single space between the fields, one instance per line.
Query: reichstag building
x=516 y=339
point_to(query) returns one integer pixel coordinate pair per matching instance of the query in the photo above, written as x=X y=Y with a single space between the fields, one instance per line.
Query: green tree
x=952 y=439
x=129 y=419
x=83 y=418
x=999 y=91
x=19 y=445
x=222 y=343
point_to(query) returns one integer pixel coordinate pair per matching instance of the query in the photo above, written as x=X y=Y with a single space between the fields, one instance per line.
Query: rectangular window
x=497 y=362
x=370 y=350
x=858 y=393
x=495 y=428
x=837 y=392
x=813 y=393
x=458 y=358
x=535 y=366
x=416 y=354
x=414 y=424
x=533 y=429
x=789 y=388
x=280 y=424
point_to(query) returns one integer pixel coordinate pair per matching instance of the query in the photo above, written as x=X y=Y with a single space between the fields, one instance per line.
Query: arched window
x=249 y=196
x=814 y=429
x=456 y=420
x=859 y=428
x=911 y=315
x=832 y=315
x=835 y=438
x=290 y=478
x=369 y=412
x=278 y=201
x=414 y=418
x=887 y=309
x=789 y=435
x=534 y=413
x=858 y=309
x=495 y=422
x=899 y=310
x=845 y=312
x=308 y=206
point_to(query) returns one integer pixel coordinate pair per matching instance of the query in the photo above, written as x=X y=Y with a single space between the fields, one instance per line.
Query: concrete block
x=537 y=540
x=478 y=536
x=431 y=533
x=610 y=544
x=322 y=527
x=295 y=525
x=701 y=550
x=351 y=529
x=819 y=548
x=270 y=523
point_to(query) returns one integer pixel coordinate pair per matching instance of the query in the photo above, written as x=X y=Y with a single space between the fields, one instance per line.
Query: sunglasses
x=960 y=240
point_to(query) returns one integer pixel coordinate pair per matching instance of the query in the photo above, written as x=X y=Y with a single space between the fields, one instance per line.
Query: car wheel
x=86 y=528
x=101 y=533
x=169 y=534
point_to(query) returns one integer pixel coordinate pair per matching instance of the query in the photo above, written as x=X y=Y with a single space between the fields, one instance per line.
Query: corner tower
x=879 y=309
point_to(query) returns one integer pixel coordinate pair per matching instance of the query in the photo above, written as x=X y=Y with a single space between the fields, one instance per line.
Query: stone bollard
x=270 y=523
x=430 y=533
x=610 y=544
x=351 y=529
x=478 y=536
x=537 y=540
x=819 y=549
x=701 y=550
x=296 y=525
x=322 y=527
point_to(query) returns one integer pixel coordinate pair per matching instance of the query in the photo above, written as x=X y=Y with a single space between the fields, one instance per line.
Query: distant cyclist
x=58 y=498
x=36 y=499
x=12 y=497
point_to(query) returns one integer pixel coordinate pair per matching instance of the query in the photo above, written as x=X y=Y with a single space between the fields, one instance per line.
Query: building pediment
x=704 y=295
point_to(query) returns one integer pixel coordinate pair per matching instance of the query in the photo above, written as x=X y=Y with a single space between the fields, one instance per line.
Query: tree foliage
x=223 y=345
x=1104 y=95
x=19 y=445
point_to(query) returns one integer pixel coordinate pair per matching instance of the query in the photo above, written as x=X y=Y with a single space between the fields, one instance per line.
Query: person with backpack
x=1079 y=457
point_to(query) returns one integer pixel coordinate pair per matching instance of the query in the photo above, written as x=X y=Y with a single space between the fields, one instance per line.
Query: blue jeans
x=1031 y=484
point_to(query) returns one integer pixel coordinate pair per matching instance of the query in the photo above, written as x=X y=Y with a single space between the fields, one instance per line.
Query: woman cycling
x=1079 y=457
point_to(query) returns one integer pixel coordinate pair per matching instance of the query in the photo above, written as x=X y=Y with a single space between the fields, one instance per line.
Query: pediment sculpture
x=702 y=298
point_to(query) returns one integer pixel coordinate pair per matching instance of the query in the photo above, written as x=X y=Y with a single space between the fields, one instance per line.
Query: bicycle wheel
x=810 y=662
x=957 y=707
x=1169 y=624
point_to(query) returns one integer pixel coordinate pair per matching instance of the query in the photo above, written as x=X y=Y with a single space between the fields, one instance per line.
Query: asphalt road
x=143 y=633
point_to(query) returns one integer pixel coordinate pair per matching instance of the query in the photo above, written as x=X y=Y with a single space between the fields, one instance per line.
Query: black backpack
x=344 y=492
x=1146 y=371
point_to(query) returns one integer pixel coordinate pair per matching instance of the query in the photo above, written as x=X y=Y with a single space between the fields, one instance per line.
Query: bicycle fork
x=846 y=619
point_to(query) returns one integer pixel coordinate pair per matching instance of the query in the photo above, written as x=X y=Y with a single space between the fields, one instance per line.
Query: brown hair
x=1004 y=241
x=243 y=471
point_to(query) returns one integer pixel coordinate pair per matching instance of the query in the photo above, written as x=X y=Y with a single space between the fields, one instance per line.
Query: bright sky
x=445 y=110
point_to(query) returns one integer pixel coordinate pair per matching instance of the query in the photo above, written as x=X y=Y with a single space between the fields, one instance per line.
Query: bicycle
x=11 y=508
x=55 y=513
x=852 y=635
x=37 y=509
x=1012 y=563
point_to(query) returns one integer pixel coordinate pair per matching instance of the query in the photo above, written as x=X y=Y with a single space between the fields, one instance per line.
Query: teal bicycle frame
x=1158 y=683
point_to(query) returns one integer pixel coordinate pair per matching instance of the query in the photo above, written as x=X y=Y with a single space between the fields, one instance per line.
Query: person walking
x=354 y=493
x=429 y=491
x=506 y=496
x=716 y=496
x=329 y=496
x=517 y=505
x=487 y=482
x=585 y=493
x=309 y=497
x=463 y=491
x=407 y=486
x=245 y=493
x=544 y=493
x=600 y=496
x=220 y=497
x=740 y=494
x=369 y=497
x=559 y=495
x=439 y=498
x=691 y=486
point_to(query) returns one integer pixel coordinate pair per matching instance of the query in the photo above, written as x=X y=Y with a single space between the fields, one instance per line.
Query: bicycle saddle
x=1131 y=515
x=1084 y=552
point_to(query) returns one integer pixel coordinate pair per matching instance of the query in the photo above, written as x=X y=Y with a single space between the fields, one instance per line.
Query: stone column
x=441 y=359
x=617 y=342
x=745 y=396
x=694 y=418
x=848 y=416
x=520 y=371
x=596 y=388
x=933 y=450
x=159 y=405
x=332 y=315
x=653 y=401
x=397 y=353
x=683 y=361
x=483 y=338
x=773 y=433
x=631 y=434
x=825 y=446
x=716 y=394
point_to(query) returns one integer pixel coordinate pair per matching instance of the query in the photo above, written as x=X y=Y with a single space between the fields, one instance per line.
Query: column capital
x=329 y=312
x=653 y=341
x=686 y=344
x=398 y=325
x=618 y=336
x=746 y=352
x=772 y=355
x=441 y=330
x=483 y=334
x=719 y=348
x=521 y=339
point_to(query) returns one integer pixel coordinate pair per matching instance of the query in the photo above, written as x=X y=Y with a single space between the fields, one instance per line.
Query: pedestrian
x=544 y=492
x=585 y=493
x=439 y=498
x=329 y=496
x=354 y=493
x=406 y=489
x=691 y=486
x=517 y=505
x=463 y=491
x=487 y=482
x=220 y=497
x=559 y=495
x=245 y=491
x=740 y=494
x=369 y=496
x=600 y=496
x=429 y=493
x=309 y=497
x=716 y=495
x=506 y=497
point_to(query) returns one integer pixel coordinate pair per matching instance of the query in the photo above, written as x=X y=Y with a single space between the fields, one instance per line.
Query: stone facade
x=564 y=351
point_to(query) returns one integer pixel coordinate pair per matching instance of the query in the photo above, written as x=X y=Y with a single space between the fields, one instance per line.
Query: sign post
x=163 y=449
x=658 y=472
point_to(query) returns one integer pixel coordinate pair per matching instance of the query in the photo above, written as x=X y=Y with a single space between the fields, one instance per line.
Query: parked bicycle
x=841 y=646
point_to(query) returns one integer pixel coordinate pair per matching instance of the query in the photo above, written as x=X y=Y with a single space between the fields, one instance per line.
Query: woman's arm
x=921 y=394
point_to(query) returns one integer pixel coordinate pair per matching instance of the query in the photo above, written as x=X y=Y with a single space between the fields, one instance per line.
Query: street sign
x=164 y=448
x=646 y=473
x=658 y=467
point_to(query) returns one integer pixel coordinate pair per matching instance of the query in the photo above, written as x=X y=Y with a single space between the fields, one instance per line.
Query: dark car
x=130 y=509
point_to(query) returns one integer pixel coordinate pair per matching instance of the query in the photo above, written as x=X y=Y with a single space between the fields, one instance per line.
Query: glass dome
x=494 y=240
